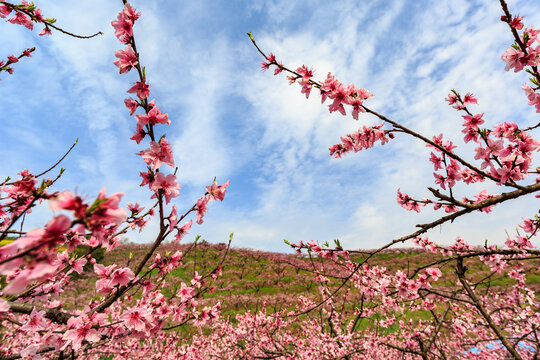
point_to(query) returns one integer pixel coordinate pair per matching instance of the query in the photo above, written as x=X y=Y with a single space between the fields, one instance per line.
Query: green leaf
x=95 y=205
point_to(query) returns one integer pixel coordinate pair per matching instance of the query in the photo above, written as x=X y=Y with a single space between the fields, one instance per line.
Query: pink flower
x=157 y=154
x=470 y=99
x=341 y=96
x=529 y=226
x=22 y=19
x=121 y=277
x=67 y=201
x=140 y=133
x=306 y=87
x=453 y=172
x=216 y=192
x=107 y=212
x=38 y=16
x=166 y=183
x=182 y=231
x=201 y=209
x=407 y=202
x=516 y=22
x=357 y=107
x=127 y=59
x=534 y=98
x=78 y=264
x=78 y=331
x=512 y=58
x=4 y=10
x=196 y=281
x=470 y=176
x=39 y=272
x=435 y=273
x=37 y=321
x=13 y=59
x=154 y=116
x=173 y=218
x=131 y=104
x=148 y=178
x=451 y=98
x=135 y=318
x=471 y=134
x=103 y=285
x=483 y=154
x=185 y=293
x=141 y=89
x=45 y=31
x=437 y=161
x=472 y=122
x=328 y=87
x=123 y=27
x=265 y=65
x=306 y=73
x=131 y=13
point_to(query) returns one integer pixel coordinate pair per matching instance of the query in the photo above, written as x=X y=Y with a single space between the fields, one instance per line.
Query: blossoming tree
x=38 y=265
x=372 y=313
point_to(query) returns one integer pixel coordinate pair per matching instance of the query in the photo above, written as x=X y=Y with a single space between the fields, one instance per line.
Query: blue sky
x=232 y=121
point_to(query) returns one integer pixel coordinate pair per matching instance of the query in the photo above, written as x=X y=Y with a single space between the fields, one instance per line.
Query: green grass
x=251 y=277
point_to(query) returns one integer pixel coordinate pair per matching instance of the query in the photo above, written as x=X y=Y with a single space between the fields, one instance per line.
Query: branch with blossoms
x=36 y=267
x=507 y=162
x=384 y=300
x=12 y=59
x=506 y=153
x=27 y=14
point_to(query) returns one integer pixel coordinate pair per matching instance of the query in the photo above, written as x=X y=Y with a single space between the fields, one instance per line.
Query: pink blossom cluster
x=364 y=138
x=329 y=89
x=517 y=59
x=341 y=96
x=506 y=153
x=525 y=52
x=506 y=150
x=332 y=329
x=25 y=14
x=12 y=59
x=214 y=192
x=36 y=267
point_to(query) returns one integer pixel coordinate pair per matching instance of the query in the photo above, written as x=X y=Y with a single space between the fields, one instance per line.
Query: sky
x=230 y=120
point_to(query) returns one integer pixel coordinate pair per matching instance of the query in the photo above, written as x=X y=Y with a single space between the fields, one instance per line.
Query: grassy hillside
x=251 y=278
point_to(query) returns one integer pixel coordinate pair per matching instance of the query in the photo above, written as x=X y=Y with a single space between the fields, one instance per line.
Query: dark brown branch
x=460 y=271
